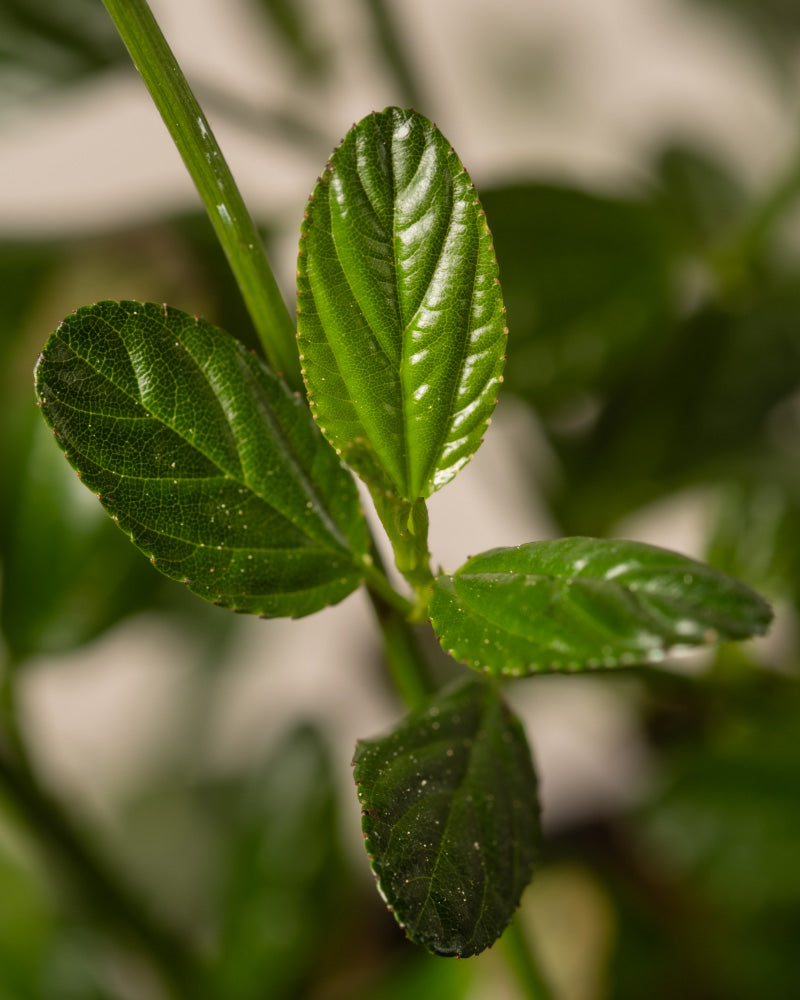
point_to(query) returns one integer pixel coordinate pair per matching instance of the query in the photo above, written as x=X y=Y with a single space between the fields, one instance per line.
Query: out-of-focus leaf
x=772 y=24
x=424 y=977
x=400 y=317
x=24 y=270
x=587 y=280
x=727 y=806
x=282 y=876
x=721 y=825
x=204 y=457
x=756 y=533
x=699 y=197
x=26 y=927
x=586 y=603
x=698 y=409
x=213 y=281
x=67 y=575
x=45 y=43
x=294 y=22
x=451 y=818
x=44 y=950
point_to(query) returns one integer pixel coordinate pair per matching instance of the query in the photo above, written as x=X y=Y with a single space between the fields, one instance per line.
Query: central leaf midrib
x=464 y=349
x=407 y=326
x=440 y=852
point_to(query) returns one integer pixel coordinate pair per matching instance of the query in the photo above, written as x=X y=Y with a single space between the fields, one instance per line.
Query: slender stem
x=203 y=158
x=404 y=658
x=378 y=583
x=90 y=874
x=524 y=963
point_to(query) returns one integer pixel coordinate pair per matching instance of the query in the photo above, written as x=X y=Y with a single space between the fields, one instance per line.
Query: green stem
x=95 y=880
x=203 y=158
x=524 y=963
x=404 y=658
x=378 y=583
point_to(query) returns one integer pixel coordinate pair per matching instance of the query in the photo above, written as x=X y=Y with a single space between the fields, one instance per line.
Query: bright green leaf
x=584 y=603
x=451 y=818
x=400 y=315
x=205 y=458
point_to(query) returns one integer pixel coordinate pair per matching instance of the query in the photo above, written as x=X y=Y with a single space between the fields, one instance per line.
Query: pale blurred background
x=569 y=92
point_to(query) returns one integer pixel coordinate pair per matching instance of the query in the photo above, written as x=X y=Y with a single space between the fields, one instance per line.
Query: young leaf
x=400 y=315
x=203 y=457
x=451 y=818
x=583 y=603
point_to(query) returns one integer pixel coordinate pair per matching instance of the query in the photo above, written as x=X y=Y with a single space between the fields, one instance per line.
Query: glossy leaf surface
x=203 y=457
x=584 y=603
x=400 y=314
x=451 y=818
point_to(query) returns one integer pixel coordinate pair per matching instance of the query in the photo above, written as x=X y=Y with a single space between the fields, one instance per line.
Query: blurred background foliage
x=655 y=336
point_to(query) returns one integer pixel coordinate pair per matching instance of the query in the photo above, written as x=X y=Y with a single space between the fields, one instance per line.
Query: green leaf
x=451 y=818
x=205 y=458
x=400 y=315
x=584 y=603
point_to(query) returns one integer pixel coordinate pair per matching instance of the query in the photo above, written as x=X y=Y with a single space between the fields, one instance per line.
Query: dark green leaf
x=400 y=315
x=26 y=928
x=587 y=282
x=451 y=818
x=698 y=196
x=295 y=27
x=46 y=43
x=720 y=823
x=584 y=603
x=671 y=422
x=67 y=574
x=204 y=457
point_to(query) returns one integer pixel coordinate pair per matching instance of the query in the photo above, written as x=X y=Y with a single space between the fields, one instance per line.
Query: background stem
x=524 y=963
x=195 y=141
x=91 y=876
